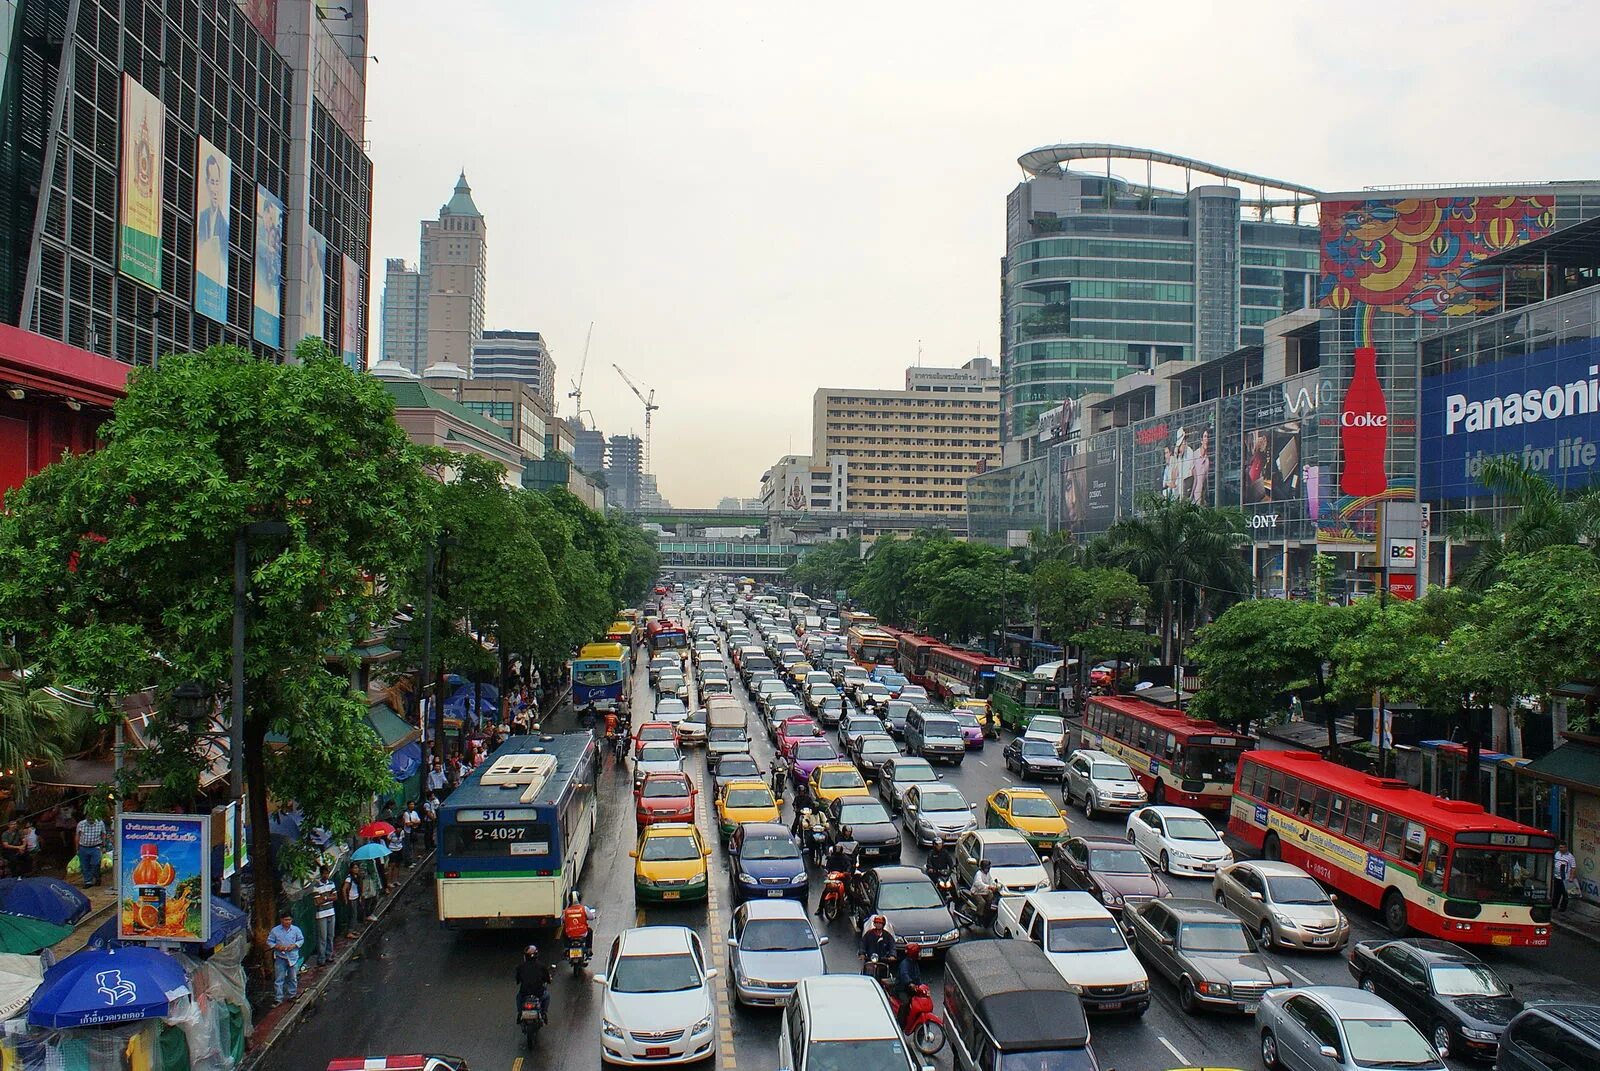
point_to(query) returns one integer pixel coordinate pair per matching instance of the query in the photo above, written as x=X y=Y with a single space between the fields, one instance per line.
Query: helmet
x=531 y=950
x=912 y=948
x=574 y=897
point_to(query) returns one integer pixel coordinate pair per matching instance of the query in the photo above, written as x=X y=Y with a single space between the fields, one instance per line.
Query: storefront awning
x=1575 y=764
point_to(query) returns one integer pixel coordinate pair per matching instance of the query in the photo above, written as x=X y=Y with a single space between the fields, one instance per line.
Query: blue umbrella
x=226 y=920
x=108 y=985
x=43 y=898
x=370 y=851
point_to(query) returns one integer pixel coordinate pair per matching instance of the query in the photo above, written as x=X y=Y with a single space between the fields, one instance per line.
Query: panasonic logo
x=1529 y=407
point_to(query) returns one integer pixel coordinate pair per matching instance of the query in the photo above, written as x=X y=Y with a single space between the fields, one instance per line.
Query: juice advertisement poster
x=163 y=877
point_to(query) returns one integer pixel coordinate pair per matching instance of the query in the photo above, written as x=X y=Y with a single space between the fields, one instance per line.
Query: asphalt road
x=426 y=989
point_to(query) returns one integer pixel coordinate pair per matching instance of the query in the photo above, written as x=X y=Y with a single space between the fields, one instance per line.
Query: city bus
x=514 y=836
x=849 y=619
x=600 y=676
x=1019 y=695
x=956 y=674
x=1178 y=759
x=871 y=647
x=915 y=651
x=668 y=634
x=1445 y=868
x=621 y=632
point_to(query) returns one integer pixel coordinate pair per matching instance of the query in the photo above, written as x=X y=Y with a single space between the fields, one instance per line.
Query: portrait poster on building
x=164 y=877
x=139 y=226
x=213 y=229
x=268 y=321
x=1174 y=456
x=350 y=321
x=314 y=285
x=1074 y=492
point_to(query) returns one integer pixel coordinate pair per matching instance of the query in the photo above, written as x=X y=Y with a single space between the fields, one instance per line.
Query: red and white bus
x=1178 y=759
x=916 y=654
x=668 y=634
x=1446 y=868
x=871 y=647
x=955 y=674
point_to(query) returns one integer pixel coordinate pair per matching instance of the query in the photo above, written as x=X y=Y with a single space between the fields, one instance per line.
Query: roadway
x=425 y=989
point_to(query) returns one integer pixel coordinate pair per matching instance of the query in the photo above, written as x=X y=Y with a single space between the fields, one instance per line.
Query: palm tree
x=33 y=723
x=1186 y=554
x=1544 y=516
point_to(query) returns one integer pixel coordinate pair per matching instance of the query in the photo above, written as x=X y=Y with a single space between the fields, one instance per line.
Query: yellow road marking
x=516 y=1065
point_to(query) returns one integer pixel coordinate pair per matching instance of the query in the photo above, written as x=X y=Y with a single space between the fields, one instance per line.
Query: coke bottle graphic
x=1364 y=429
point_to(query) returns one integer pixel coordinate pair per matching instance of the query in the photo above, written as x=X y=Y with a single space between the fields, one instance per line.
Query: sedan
x=1332 y=1028
x=854 y=726
x=673 y=684
x=714 y=686
x=899 y=774
x=1034 y=758
x=664 y=797
x=670 y=709
x=771 y=947
x=1115 y=873
x=692 y=729
x=1180 y=840
x=794 y=730
x=830 y=710
x=1205 y=951
x=1049 y=728
x=915 y=694
x=739 y=802
x=832 y=780
x=871 y=694
x=908 y=901
x=1283 y=905
x=734 y=766
x=657 y=758
x=808 y=755
x=766 y=862
x=863 y=820
x=1028 y=811
x=971 y=729
x=895 y=713
x=658 y=1006
x=670 y=864
x=872 y=751
x=1448 y=993
x=937 y=812
x=654 y=732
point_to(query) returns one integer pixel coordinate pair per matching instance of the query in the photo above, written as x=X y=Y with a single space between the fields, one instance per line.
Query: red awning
x=34 y=362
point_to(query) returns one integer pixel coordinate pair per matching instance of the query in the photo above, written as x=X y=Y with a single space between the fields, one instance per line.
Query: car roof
x=1437 y=951
x=905 y=761
x=1032 y=791
x=670 y=829
x=847 y=1007
x=1584 y=1018
x=850 y=766
x=896 y=874
x=1023 y=1001
x=655 y=940
x=766 y=829
x=1272 y=868
x=1098 y=756
x=1066 y=904
x=1193 y=909
x=743 y=781
x=1347 y=1002
x=665 y=775
x=996 y=836
x=1169 y=811
x=655 y=725
x=774 y=909
x=1105 y=842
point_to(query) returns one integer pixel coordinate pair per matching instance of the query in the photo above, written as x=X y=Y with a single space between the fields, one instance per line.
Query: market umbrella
x=25 y=934
x=370 y=851
x=43 y=898
x=376 y=829
x=108 y=985
x=19 y=977
x=226 y=920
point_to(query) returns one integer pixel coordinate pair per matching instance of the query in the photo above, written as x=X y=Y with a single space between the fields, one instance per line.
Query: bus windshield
x=1500 y=876
x=1210 y=764
x=596 y=674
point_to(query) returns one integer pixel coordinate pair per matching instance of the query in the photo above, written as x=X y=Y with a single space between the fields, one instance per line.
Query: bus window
x=1394 y=835
x=1291 y=790
x=1337 y=813
x=1255 y=781
x=1356 y=822
x=1433 y=867
x=1500 y=876
x=1415 y=835
x=1374 y=834
x=1275 y=786
x=1144 y=738
x=1319 y=806
x=1172 y=747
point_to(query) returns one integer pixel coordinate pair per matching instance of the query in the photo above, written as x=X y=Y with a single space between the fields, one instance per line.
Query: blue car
x=890 y=679
x=767 y=862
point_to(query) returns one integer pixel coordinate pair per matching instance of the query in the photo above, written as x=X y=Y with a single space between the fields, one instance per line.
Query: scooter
x=834 y=898
x=531 y=1017
x=972 y=915
x=578 y=955
x=915 y=1017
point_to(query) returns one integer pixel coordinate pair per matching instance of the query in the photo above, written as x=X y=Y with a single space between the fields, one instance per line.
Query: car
x=870 y=694
x=895 y=714
x=830 y=711
x=936 y=812
x=768 y=690
x=1047 y=727
x=664 y=797
x=794 y=730
x=935 y=736
x=1205 y=951
x=910 y=904
x=1101 y=782
x=863 y=820
x=1452 y=996
x=1334 y=1028
x=891 y=679
x=1083 y=943
x=726 y=740
x=692 y=729
x=771 y=948
x=654 y=732
x=850 y=675
x=657 y=758
x=408 y=1062
x=673 y=684
x=657 y=1005
x=1034 y=759
x=1113 y=871
x=670 y=709
x=834 y=779
x=744 y=800
x=872 y=750
x=767 y=863
x=842 y=1021
x=1553 y=1036
x=815 y=677
x=1028 y=811
x=807 y=755
x=817 y=694
x=660 y=664
x=915 y=694
x=971 y=728
x=854 y=725
x=899 y=774
x=670 y=863
x=714 y=686
x=1180 y=840
x=1014 y=864
x=1284 y=905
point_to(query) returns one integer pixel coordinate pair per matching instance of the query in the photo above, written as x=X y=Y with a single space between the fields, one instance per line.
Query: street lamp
x=241 y=584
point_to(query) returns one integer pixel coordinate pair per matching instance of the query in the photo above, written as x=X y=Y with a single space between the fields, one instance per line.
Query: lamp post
x=241 y=586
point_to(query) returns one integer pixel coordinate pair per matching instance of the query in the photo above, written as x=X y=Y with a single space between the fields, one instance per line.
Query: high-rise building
x=1105 y=275
x=588 y=449
x=623 y=471
x=435 y=314
x=520 y=355
x=405 y=316
x=796 y=483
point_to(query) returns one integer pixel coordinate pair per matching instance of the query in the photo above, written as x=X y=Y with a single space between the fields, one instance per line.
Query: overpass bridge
x=737 y=556
x=789 y=526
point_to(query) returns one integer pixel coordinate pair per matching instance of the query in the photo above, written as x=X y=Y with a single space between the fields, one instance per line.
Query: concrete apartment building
x=434 y=315
x=519 y=355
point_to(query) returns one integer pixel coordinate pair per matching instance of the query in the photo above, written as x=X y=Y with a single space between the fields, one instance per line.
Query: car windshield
x=864 y=813
x=1055 y=1060
x=1037 y=749
x=1500 y=876
x=941 y=801
x=1210 y=763
x=749 y=797
x=943 y=727
x=1118 y=861
x=777 y=935
x=841 y=779
x=908 y=896
x=814 y=749
x=670 y=848
x=881 y=1054
x=1466 y=980
x=1047 y=725
x=659 y=753
x=1190 y=829
x=1212 y=937
x=1388 y=1043
x=799 y=729
x=666 y=705
x=1295 y=891
x=720 y=735
x=914 y=771
x=965 y=720
x=862 y=725
x=1084 y=935
x=769 y=848
x=1010 y=853
x=663 y=789
x=1033 y=807
x=1111 y=771
x=654 y=974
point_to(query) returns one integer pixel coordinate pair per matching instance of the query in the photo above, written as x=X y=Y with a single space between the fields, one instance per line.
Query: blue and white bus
x=600 y=677
x=513 y=838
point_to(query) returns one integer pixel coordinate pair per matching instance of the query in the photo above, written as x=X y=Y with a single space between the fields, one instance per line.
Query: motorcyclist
x=533 y=980
x=780 y=775
x=877 y=943
x=908 y=973
x=841 y=858
x=575 y=920
x=611 y=724
x=941 y=860
x=984 y=889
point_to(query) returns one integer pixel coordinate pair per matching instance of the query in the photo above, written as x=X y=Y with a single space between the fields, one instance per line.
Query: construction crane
x=650 y=406
x=576 y=393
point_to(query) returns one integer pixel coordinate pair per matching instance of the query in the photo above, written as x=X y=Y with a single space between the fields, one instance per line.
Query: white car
x=658 y=1007
x=1101 y=782
x=657 y=758
x=673 y=684
x=1179 y=840
x=1083 y=943
x=1047 y=727
x=669 y=708
x=771 y=946
x=692 y=729
x=1014 y=863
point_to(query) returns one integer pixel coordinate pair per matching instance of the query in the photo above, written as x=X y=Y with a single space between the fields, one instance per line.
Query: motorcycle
x=578 y=955
x=834 y=898
x=975 y=916
x=946 y=884
x=531 y=1017
x=916 y=1018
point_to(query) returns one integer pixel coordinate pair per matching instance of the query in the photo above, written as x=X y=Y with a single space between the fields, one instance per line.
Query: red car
x=654 y=732
x=664 y=797
x=794 y=730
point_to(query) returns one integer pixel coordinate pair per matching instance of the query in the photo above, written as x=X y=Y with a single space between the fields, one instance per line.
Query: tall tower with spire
x=454 y=271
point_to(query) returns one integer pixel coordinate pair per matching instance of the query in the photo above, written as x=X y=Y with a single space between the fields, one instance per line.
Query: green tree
x=1542 y=515
x=1258 y=651
x=828 y=567
x=1090 y=611
x=34 y=725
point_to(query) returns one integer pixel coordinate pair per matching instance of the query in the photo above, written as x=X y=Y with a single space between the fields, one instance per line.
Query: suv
x=1085 y=946
x=1551 y=1037
x=1101 y=782
x=934 y=735
x=840 y=1020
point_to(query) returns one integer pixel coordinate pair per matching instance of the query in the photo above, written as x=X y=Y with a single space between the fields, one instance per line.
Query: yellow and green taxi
x=799 y=670
x=834 y=779
x=744 y=799
x=669 y=864
x=1028 y=811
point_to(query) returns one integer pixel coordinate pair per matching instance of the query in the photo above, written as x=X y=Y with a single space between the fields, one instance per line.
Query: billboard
x=350 y=321
x=213 y=230
x=164 y=877
x=1074 y=492
x=1174 y=456
x=1275 y=469
x=1543 y=408
x=268 y=304
x=139 y=222
x=314 y=285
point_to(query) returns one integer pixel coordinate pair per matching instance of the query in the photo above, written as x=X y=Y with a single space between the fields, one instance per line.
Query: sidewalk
x=1580 y=920
x=102 y=903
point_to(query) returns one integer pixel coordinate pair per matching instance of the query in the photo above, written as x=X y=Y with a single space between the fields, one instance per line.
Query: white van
x=837 y=1021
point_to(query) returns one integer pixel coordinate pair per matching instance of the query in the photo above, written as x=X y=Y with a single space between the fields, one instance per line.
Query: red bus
x=668 y=634
x=955 y=674
x=1178 y=759
x=915 y=654
x=871 y=647
x=1446 y=868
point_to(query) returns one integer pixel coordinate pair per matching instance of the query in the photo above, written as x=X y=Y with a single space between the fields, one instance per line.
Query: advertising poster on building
x=213 y=230
x=1100 y=491
x=139 y=226
x=350 y=321
x=163 y=877
x=1174 y=456
x=314 y=285
x=1074 y=492
x=268 y=320
x=1275 y=469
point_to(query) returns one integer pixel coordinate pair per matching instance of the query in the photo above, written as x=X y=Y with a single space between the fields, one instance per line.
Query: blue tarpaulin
x=405 y=762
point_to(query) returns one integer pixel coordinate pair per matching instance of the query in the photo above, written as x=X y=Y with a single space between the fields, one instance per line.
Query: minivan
x=935 y=736
x=841 y=1020
x=1551 y=1037
x=1006 y=1006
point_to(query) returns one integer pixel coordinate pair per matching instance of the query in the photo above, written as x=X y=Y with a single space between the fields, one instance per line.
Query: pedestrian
x=88 y=840
x=430 y=818
x=411 y=824
x=325 y=897
x=396 y=843
x=350 y=894
x=66 y=822
x=371 y=888
x=284 y=941
x=1566 y=866
x=30 y=848
x=11 y=846
x=436 y=778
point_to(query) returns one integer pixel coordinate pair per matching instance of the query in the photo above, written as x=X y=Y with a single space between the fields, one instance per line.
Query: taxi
x=744 y=799
x=669 y=864
x=1028 y=811
x=798 y=671
x=834 y=779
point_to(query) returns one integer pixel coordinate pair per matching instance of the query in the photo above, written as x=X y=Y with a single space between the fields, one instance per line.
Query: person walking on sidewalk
x=325 y=897
x=284 y=941
x=1566 y=864
x=437 y=781
x=89 y=842
x=430 y=817
x=350 y=894
x=412 y=822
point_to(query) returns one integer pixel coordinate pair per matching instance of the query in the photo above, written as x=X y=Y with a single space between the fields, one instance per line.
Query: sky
x=752 y=200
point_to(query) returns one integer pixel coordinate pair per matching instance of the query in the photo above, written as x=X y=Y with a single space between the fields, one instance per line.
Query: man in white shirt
x=324 y=896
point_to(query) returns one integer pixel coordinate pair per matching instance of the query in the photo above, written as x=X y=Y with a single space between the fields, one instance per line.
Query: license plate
x=924 y=953
x=774 y=892
x=1249 y=1007
x=1321 y=942
x=669 y=896
x=657 y=1050
x=1500 y=939
x=1111 y=1005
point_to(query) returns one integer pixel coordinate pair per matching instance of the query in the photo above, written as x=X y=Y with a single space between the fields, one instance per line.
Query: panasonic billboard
x=1543 y=408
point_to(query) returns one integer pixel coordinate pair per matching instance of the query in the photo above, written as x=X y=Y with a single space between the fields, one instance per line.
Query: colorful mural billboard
x=144 y=121
x=268 y=319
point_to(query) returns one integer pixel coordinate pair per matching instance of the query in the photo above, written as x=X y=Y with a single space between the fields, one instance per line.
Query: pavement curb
x=311 y=995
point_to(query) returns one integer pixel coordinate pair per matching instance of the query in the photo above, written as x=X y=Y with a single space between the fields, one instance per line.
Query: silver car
x=936 y=812
x=1101 y=783
x=1282 y=905
x=1205 y=951
x=1334 y=1028
x=771 y=947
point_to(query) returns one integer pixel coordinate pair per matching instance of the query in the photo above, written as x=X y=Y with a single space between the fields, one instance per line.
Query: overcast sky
x=754 y=200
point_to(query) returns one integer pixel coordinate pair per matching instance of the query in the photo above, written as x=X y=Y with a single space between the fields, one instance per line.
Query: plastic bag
x=74 y=867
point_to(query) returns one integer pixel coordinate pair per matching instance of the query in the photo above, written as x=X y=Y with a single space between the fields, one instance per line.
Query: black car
x=863 y=820
x=895 y=712
x=910 y=904
x=1449 y=994
x=830 y=711
x=1034 y=758
x=732 y=765
x=870 y=751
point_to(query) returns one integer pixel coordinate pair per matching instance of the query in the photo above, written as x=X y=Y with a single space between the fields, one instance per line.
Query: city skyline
x=749 y=209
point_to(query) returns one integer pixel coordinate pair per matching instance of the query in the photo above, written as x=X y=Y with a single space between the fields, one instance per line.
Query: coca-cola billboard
x=1364 y=429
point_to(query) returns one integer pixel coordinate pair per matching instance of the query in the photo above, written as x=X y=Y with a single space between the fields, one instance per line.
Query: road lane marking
x=1296 y=973
x=516 y=1065
x=1181 y=1058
